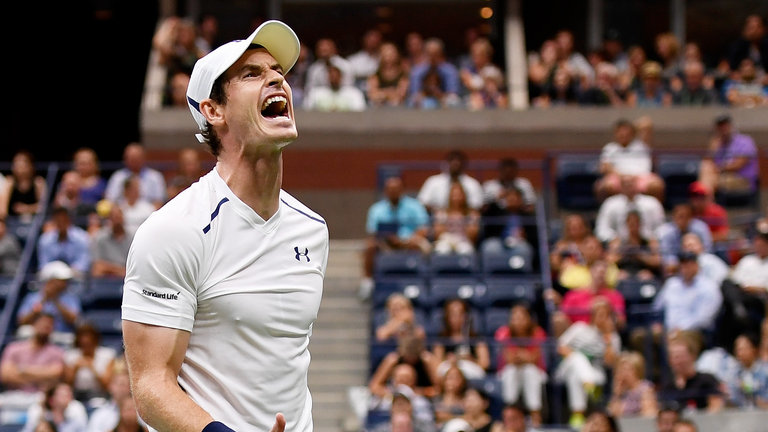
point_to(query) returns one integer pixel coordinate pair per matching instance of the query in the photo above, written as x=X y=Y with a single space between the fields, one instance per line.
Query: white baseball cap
x=56 y=270
x=275 y=36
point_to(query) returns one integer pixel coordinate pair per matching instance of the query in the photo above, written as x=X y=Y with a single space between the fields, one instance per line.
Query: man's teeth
x=272 y=100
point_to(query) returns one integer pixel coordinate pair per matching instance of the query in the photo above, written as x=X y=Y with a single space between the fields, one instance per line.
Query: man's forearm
x=166 y=407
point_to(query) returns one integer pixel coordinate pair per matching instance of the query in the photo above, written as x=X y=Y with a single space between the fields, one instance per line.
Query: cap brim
x=280 y=41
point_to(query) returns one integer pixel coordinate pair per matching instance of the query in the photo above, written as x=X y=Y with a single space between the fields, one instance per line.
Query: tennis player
x=224 y=281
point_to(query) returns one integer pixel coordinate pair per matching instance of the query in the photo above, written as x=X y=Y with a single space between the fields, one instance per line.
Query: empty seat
x=506 y=262
x=677 y=171
x=467 y=288
x=103 y=293
x=399 y=263
x=495 y=317
x=575 y=177
x=506 y=291
x=452 y=264
x=414 y=288
x=637 y=291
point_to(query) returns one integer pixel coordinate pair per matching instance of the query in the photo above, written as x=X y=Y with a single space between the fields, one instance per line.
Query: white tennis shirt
x=248 y=290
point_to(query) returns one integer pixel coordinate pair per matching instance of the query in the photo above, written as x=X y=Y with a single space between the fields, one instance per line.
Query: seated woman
x=410 y=351
x=89 y=365
x=448 y=403
x=521 y=365
x=24 y=189
x=632 y=394
x=457 y=344
x=389 y=85
x=401 y=320
x=636 y=256
x=456 y=227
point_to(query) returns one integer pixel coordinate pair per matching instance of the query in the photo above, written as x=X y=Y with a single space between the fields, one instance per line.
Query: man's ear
x=212 y=111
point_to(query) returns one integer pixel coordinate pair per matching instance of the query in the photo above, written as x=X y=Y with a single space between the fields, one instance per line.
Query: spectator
x=668 y=50
x=574 y=60
x=632 y=394
x=732 y=164
x=176 y=90
x=24 y=189
x=85 y=162
x=388 y=85
x=435 y=190
x=107 y=415
x=612 y=214
x=711 y=266
x=542 y=66
x=420 y=373
x=129 y=420
x=629 y=79
x=152 y=182
x=207 y=33
x=605 y=90
x=64 y=242
x=652 y=92
x=457 y=343
x=436 y=72
x=109 y=247
x=31 y=365
x=686 y=386
x=10 y=251
x=136 y=209
x=68 y=196
x=395 y=222
x=336 y=96
x=513 y=420
x=448 y=404
x=747 y=386
x=401 y=321
x=506 y=228
x=476 y=404
x=176 y=44
x=60 y=408
x=89 y=364
x=189 y=169
x=575 y=267
x=746 y=88
x=53 y=298
x=475 y=72
x=576 y=304
x=586 y=350
x=576 y=234
x=693 y=90
x=457 y=226
x=404 y=416
x=492 y=93
x=705 y=208
x=414 y=50
x=627 y=155
x=521 y=366
x=689 y=301
x=600 y=421
x=636 y=255
x=668 y=415
x=753 y=44
x=644 y=130
x=685 y=425
x=495 y=190
x=297 y=76
x=364 y=62
x=670 y=235
x=746 y=290
x=317 y=73
x=613 y=50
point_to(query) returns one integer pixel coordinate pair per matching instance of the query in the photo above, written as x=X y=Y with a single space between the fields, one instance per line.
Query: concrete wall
x=333 y=164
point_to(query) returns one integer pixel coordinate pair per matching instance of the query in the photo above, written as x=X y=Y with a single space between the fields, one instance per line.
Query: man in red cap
x=705 y=208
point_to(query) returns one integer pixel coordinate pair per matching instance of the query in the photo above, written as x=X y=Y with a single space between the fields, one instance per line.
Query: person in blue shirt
x=64 y=242
x=670 y=235
x=52 y=298
x=395 y=222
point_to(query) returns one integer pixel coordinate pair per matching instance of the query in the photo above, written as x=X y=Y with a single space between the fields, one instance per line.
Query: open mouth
x=275 y=106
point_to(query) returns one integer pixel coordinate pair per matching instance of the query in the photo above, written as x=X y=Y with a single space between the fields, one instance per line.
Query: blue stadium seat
x=636 y=291
x=107 y=321
x=103 y=293
x=504 y=263
x=677 y=171
x=400 y=263
x=377 y=352
x=491 y=386
x=467 y=288
x=575 y=177
x=495 y=317
x=452 y=264
x=413 y=287
x=505 y=291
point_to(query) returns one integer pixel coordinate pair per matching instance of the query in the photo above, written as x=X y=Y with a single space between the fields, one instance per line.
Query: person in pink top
x=576 y=304
x=31 y=365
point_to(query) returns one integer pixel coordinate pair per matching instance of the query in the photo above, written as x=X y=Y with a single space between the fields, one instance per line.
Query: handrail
x=6 y=316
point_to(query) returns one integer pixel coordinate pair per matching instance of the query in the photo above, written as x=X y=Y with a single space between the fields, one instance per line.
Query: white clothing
x=436 y=188
x=135 y=215
x=85 y=378
x=363 y=64
x=75 y=417
x=611 y=221
x=151 y=185
x=492 y=189
x=317 y=73
x=751 y=270
x=634 y=159
x=347 y=98
x=247 y=289
x=713 y=267
x=528 y=379
x=104 y=418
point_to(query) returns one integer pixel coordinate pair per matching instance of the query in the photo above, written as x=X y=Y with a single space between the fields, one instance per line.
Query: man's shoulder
x=296 y=205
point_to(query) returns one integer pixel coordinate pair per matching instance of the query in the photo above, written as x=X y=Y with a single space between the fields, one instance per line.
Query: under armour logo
x=304 y=254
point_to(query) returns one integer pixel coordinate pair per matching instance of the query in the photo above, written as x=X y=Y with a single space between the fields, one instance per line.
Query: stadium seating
x=505 y=291
x=468 y=288
x=677 y=171
x=575 y=177
x=503 y=263
x=452 y=264
x=400 y=263
x=413 y=287
x=103 y=293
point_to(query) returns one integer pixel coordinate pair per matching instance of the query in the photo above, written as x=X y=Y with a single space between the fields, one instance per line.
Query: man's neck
x=255 y=178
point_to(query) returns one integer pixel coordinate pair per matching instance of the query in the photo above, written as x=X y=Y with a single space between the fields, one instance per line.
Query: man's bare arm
x=154 y=355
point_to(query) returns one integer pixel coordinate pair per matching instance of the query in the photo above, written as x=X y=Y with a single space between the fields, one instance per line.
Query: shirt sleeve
x=161 y=274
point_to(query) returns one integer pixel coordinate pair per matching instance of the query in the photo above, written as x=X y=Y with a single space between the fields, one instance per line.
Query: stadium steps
x=340 y=338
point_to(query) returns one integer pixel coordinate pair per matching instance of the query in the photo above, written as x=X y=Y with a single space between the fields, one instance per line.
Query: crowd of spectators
x=419 y=73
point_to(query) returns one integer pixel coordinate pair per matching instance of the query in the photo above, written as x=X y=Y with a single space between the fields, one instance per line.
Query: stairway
x=340 y=337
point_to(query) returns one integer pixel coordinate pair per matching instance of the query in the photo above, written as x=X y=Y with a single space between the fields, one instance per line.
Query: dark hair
x=456 y=154
x=468 y=325
x=86 y=329
x=624 y=122
x=508 y=162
